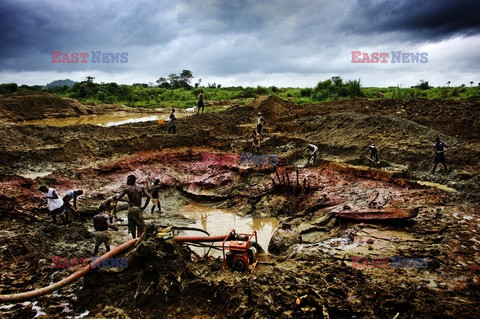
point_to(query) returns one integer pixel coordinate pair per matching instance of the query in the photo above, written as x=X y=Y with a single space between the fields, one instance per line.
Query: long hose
x=207 y=239
x=73 y=277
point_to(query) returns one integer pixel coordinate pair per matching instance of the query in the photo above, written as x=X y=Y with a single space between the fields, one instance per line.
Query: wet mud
x=315 y=264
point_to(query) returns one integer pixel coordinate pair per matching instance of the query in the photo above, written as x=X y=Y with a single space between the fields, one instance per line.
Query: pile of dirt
x=34 y=105
x=272 y=107
x=154 y=279
x=452 y=117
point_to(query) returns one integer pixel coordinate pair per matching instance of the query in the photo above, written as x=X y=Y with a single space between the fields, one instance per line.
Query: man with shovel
x=372 y=149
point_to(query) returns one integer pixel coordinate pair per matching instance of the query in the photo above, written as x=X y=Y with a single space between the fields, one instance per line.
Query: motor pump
x=241 y=254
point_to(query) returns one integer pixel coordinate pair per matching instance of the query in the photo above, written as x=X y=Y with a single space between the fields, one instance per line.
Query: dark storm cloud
x=31 y=30
x=277 y=40
x=420 y=20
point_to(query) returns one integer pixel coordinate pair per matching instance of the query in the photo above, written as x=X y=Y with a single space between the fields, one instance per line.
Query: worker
x=111 y=208
x=135 y=210
x=172 y=127
x=373 y=156
x=101 y=223
x=55 y=203
x=154 y=193
x=255 y=142
x=260 y=123
x=313 y=153
x=71 y=210
x=200 y=102
x=439 y=151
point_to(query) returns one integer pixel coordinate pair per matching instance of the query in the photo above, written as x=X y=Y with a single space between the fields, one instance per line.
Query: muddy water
x=220 y=221
x=104 y=120
x=213 y=220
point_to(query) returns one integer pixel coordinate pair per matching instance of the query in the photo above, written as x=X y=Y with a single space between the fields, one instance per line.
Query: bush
x=8 y=88
x=334 y=88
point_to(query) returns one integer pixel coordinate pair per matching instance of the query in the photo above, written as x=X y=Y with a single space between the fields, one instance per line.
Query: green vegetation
x=176 y=91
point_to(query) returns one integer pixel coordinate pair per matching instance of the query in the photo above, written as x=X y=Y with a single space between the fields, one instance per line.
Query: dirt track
x=305 y=278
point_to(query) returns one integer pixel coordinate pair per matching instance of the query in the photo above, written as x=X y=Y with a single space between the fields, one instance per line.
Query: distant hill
x=56 y=83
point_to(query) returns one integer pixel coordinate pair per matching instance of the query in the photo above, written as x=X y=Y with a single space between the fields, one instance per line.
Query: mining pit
x=308 y=219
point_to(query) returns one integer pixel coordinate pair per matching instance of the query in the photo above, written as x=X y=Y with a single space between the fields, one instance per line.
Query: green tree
x=8 y=88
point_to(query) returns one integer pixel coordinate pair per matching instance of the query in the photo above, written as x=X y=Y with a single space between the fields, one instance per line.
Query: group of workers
x=107 y=209
x=136 y=225
x=439 y=148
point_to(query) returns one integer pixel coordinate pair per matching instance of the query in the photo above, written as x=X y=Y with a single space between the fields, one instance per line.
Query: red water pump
x=242 y=251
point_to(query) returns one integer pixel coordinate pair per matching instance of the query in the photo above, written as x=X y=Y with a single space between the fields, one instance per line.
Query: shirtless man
x=255 y=142
x=135 y=210
x=155 y=199
x=111 y=208
x=71 y=210
x=200 y=103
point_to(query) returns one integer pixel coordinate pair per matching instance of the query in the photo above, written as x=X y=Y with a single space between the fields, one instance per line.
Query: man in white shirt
x=313 y=153
x=54 y=202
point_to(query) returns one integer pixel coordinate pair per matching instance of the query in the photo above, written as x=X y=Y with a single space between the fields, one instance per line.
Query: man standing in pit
x=54 y=202
x=71 y=210
x=372 y=149
x=135 y=211
x=200 y=102
x=439 y=151
x=172 y=127
x=155 y=199
x=255 y=142
x=101 y=223
x=313 y=153
x=260 y=123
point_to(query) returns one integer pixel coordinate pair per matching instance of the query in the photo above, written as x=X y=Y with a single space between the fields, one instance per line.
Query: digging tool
x=371 y=160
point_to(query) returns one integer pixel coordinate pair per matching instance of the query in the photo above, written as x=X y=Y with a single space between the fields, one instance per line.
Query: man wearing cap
x=260 y=123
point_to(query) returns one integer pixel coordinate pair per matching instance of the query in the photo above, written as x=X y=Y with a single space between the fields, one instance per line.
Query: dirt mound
x=38 y=105
x=32 y=105
x=154 y=279
x=453 y=117
x=272 y=107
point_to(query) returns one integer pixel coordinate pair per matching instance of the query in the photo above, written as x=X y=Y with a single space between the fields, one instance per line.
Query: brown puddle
x=103 y=120
x=221 y=221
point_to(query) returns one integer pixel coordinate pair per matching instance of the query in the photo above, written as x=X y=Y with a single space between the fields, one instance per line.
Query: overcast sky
x=286 y=43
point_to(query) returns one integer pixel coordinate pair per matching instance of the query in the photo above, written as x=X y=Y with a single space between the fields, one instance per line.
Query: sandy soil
x=308 y=272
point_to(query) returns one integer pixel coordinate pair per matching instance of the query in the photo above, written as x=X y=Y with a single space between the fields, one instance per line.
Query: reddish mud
x=308 y=272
